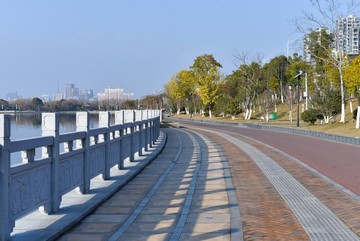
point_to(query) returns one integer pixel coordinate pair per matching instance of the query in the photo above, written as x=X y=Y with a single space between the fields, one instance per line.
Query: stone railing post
x=104 y=121
x=83 y=124
x=139 y=118
x=119 y=120
x=158 y=120
x=130 y=118
x=6 y=226
x=151 y=117
x=146 y=126
x=155 y=126
x=50 y=127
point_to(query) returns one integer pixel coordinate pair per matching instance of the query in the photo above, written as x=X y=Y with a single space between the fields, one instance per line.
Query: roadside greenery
x=256 y=88
x=320 y=83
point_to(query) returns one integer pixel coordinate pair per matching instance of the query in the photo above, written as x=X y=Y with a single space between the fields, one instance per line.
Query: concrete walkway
x=74 y=206
x=184 y=194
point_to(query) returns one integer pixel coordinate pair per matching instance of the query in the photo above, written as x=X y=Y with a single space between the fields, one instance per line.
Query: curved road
x=339 y=162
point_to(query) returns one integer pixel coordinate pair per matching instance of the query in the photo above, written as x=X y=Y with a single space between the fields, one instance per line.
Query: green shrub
x=310 y=116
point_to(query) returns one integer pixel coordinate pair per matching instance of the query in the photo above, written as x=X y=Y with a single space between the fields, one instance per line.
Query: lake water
x=28 y=125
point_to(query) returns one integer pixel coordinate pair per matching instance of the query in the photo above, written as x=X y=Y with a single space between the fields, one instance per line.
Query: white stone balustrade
x=41 y=183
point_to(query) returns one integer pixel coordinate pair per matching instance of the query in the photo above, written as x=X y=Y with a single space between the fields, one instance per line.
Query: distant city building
x=348 y=30
x=86 y=95
x=69 y=91
x=45 y=98
x=58 y=96
x=115 y=95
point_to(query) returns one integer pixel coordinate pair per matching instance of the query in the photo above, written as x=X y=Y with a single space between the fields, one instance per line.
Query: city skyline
x=136 y=45
x=71 y=91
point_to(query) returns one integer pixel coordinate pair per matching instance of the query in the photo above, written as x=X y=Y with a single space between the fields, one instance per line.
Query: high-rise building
x=86 y=95
x=348 y=35
x=72 y=92
x=69 y=91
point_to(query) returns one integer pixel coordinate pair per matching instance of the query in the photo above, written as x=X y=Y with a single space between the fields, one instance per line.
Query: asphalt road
x=339 y=162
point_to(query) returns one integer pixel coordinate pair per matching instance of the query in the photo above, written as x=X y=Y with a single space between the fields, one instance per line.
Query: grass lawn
x=346 y=129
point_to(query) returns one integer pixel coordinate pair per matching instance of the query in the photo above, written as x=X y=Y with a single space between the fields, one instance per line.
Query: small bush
x=310 y=116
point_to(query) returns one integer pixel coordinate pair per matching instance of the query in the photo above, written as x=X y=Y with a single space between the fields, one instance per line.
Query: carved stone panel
x=126 y=146
x=114 y=153
x=71 y=173
x=97 y=161
x=29 y=190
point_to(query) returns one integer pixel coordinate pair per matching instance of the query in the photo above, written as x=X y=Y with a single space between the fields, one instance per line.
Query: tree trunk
x=342 y=90
x=326 y=119
x=250 y=112
x=351 y=106
x=267 y=117
x=246 y=114
x=210 y=114
x=358 y=118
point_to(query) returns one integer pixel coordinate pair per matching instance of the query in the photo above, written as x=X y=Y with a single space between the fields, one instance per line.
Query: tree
x=37 y=103
x=251 y=76
x=207 y=74
x=328 y=12
x=4 y=104
x=129 y=105
x=352 y=83
x=295 y=66
x=231 y=96
x=310 y=116
x=276 y=72
x=180 y=88
x=151 y=102
x=328 y=103
x=172 y=92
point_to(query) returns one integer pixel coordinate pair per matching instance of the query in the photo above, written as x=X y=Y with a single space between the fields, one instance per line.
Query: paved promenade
x=184 y=194
x=212 y=184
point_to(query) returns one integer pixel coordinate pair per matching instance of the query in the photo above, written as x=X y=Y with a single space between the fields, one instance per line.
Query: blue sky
x=134 y=44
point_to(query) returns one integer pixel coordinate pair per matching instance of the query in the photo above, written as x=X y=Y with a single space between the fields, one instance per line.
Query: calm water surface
x=25 y=126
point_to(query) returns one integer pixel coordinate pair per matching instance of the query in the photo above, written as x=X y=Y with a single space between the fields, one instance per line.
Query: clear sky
x=134 y=44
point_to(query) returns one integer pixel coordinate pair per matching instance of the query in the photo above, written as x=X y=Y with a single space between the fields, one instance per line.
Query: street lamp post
x=307 y=92
x=298 y=77
x=298 y=102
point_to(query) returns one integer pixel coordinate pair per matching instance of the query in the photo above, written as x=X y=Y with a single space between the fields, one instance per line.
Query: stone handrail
x=40 y=183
